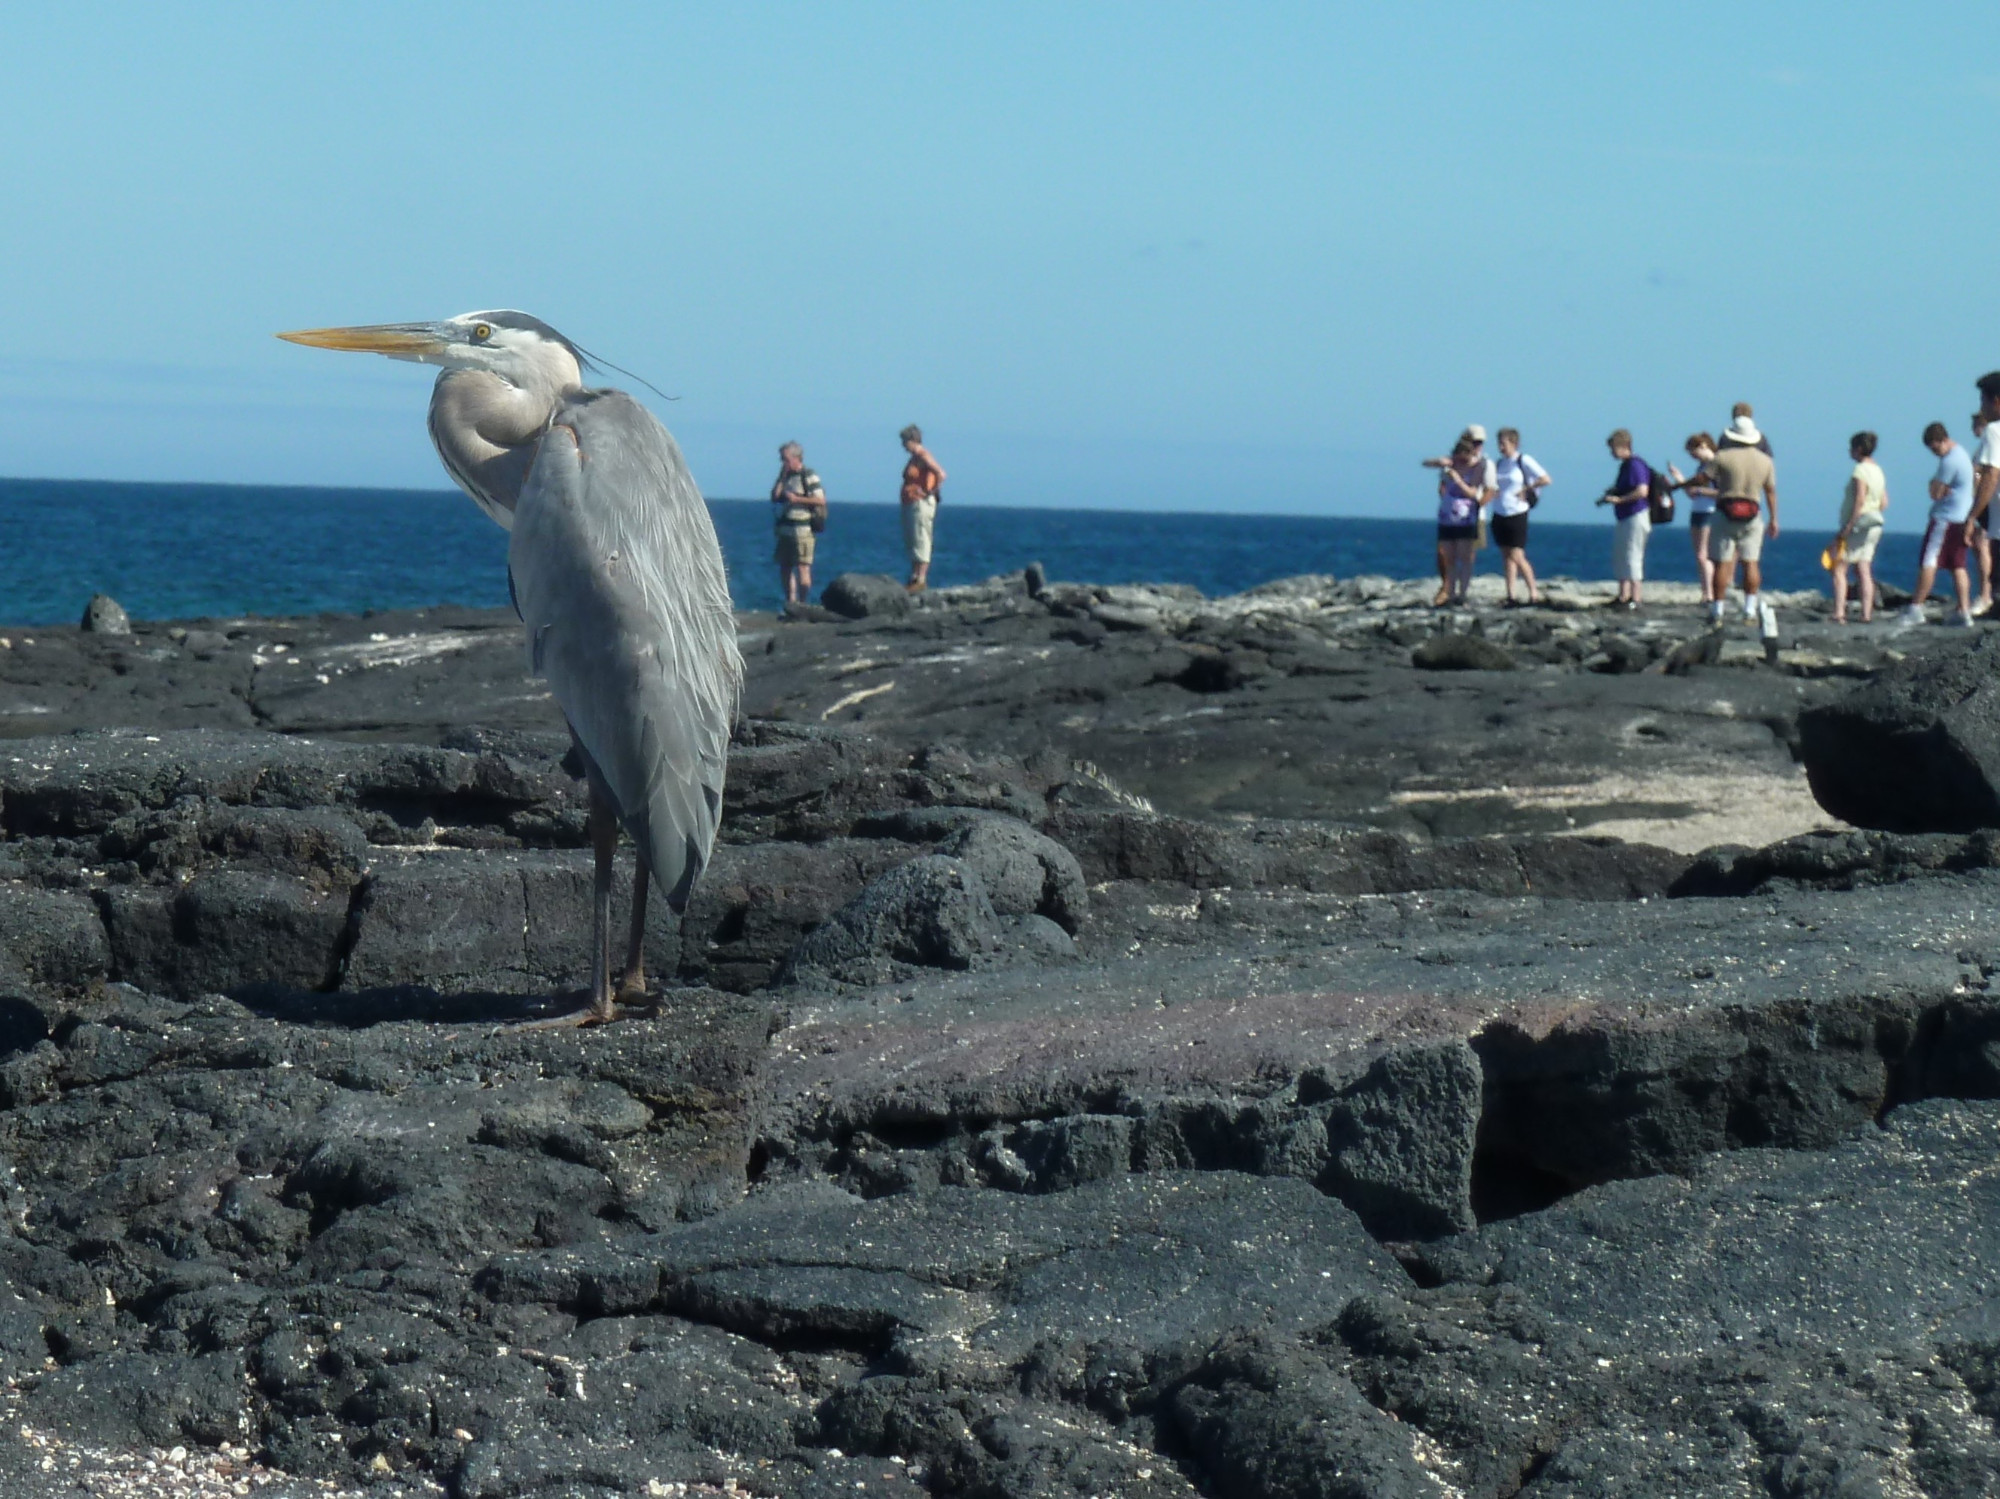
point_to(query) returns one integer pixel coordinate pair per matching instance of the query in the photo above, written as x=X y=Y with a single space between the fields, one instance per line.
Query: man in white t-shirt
x=1986 y=471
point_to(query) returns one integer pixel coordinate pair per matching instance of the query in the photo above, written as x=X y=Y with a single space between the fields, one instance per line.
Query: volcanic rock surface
x=1019 y=1119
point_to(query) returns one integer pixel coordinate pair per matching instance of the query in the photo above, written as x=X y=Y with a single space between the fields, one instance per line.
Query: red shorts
x=1944 y=545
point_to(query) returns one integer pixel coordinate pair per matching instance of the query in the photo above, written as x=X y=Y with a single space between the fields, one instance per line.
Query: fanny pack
x=1737 y=508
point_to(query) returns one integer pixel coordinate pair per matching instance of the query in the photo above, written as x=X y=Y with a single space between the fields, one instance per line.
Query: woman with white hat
x=1466 y=485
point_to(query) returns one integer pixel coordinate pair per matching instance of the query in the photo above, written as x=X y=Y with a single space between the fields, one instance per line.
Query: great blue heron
x=613 y=566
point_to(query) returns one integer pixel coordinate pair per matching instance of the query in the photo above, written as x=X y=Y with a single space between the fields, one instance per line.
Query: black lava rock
x=865 y=596
x=932 y=912
x=1917 y=750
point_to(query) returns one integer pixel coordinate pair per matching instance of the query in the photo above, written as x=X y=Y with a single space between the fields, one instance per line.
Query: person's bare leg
x=1983 y=549
x=1840 y=595
x=632 y=983
x=1961 y=582
x=805 y=581
x=1444 y=573
x=1926 y=576
x=1866 y=570
x=1753 y=578
x=1528 y=575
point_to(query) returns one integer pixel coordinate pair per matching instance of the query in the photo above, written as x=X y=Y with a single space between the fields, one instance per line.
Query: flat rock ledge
x=999 y=1135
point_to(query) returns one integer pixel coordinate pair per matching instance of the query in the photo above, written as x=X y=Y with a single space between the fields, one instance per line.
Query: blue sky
x=1152 y=256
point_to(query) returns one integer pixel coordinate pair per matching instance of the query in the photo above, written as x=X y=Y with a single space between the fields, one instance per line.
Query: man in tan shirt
x=1744 y=477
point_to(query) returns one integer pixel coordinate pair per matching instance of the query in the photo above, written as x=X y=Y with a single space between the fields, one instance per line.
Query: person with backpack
x=1746 y=482
x=1629 y=497
x=923 y=480
x=801 y=516
x=1518 y=485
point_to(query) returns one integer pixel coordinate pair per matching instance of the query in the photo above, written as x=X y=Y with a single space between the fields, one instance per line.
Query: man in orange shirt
x=921 y=477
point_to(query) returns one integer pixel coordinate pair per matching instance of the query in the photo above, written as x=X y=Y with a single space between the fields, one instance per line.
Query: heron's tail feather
x=674 y=832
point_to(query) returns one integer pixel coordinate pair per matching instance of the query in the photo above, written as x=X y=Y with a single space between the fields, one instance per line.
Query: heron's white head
x=522 y=350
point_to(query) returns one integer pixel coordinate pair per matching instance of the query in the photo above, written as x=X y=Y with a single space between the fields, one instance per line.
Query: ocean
x=185 y=550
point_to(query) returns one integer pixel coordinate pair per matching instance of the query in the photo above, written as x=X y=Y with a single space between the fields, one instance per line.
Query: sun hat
x=1476 y=432
x=1744 y=431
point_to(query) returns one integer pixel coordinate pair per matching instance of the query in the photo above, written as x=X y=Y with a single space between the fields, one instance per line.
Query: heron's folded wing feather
x=619 y=579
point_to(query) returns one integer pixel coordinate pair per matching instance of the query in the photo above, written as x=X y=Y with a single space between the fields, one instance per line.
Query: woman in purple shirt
x=1464 y=487
x=1628 y=497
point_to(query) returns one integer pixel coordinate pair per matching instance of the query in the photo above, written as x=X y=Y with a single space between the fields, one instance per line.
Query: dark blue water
x=181 y=550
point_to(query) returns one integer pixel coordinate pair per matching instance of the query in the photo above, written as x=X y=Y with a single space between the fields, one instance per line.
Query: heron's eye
x=480 y=333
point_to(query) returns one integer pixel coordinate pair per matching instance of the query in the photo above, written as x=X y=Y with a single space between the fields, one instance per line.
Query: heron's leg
x=600 y=1006
x=604 y=843
x=632 y=984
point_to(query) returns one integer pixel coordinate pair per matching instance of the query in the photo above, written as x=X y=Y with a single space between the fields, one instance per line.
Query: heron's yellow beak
x=405 y=339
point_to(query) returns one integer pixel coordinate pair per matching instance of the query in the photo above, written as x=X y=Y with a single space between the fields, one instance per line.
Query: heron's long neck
x=486 y=429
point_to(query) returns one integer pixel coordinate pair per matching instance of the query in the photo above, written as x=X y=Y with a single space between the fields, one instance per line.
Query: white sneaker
x=1959 y=620
x=1913 y=614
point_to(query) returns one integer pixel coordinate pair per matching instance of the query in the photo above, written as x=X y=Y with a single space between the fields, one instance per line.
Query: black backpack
x=1660 y=497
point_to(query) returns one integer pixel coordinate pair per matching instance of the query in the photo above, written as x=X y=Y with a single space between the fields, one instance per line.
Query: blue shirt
x=1954 y=469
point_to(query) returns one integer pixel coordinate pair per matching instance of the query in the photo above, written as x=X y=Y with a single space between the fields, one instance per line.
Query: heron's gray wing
x=619 y=580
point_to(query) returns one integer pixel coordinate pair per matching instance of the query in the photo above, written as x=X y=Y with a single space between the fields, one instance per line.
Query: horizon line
x=442 y=493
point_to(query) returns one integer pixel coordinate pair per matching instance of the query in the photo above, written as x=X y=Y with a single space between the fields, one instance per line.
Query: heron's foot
x=598 y=1010
x=632 y=990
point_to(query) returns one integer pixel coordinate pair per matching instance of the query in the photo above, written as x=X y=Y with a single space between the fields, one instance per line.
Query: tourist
x=1860 y=528
x=1744 y=477
x=1628 y=499
x=1978 y=538
x=1741 y=412
x=1944 y=537
x=801 y=502
x=1700 y=491
x=1476 y=483
x=1463 y=488
x=1986 y=469
x=1518 y=482
x=922 y=479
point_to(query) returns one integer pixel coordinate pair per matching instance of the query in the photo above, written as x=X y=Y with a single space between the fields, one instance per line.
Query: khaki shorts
x=1736 y=540
x=795 y=546
x=1861 y=542
x=918 y=518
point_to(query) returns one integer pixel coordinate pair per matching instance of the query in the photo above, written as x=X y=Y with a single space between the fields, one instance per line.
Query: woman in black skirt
x=1520 y=481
